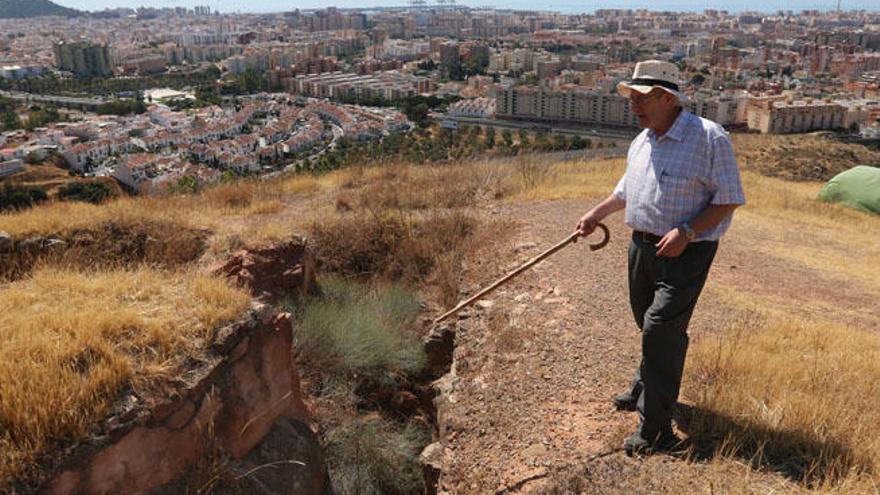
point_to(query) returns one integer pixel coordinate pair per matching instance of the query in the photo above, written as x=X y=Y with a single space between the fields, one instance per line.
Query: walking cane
x=532 y=262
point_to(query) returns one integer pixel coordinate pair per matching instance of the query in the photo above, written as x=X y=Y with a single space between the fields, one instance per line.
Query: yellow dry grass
x=574 y=179
x=70 y=341
x=792 y=394
x=210 y=209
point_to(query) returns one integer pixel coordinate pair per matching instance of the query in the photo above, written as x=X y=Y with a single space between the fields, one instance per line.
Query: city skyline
x=562 y=6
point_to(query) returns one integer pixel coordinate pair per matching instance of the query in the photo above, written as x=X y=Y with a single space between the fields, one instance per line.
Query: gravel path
x=538 y=362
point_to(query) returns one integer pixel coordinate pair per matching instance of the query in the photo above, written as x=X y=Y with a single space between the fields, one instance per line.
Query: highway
x=61 y=101
x=593 y=132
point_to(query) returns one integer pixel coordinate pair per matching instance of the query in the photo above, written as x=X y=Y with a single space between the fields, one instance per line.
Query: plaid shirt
x=670 y=180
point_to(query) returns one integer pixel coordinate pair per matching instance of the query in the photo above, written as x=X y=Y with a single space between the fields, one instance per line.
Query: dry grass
x=795 y=396
x=71 y=341
x=793 y=224
x=52 y=178
x=411 y=223
x=210 y=209
x=574 y=179
x=801 y=157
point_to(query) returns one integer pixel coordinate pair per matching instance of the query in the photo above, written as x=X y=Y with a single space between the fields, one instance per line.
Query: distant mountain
x=10 y=9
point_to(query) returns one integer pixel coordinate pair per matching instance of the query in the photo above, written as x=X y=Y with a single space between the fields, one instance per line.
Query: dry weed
x=575 y=179
x=71 y=340
x=791 y=395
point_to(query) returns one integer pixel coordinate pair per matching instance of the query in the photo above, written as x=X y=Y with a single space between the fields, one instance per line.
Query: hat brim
x=624 y=89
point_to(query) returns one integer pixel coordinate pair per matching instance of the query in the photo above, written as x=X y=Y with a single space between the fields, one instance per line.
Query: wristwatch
x=689 y=231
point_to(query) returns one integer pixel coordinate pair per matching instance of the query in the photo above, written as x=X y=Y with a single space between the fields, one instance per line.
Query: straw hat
x=652 y=74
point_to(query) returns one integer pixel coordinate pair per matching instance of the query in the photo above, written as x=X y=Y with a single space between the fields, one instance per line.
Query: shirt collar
x=677 y=130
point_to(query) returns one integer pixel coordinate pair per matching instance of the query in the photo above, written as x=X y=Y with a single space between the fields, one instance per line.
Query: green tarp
x=858 y=187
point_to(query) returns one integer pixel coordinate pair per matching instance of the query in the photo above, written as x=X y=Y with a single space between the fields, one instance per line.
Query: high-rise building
x=566 y=104
x=479 y=54
x=83 y=58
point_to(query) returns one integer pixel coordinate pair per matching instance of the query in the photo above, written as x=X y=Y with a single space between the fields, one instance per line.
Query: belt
x=646 y=237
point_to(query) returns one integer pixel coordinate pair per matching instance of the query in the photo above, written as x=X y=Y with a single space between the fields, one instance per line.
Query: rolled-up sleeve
x=724 y=177
x=620 y=189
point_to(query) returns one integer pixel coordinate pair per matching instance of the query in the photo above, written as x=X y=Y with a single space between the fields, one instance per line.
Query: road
x=593 y=132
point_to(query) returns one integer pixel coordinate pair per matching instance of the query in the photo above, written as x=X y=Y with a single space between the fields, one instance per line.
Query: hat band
x=644 y=81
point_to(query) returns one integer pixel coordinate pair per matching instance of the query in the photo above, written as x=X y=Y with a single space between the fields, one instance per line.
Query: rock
x=272 y=271
x=523 y=246
x=54 y=244
x=406 y=403
x=439 y=345
x=248 y=409
x=7 y=243
x=31 y=245
x=432 y=463
x=522 y=297
x=485 y=304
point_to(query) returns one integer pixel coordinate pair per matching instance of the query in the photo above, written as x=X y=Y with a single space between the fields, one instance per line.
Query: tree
x=184 y=185
x=579 y=143
x=541 y=142
x=419 y=114
x=560 y=142
x=20 y=198
x=122 y=107
x=11 y=121
x=490 y=137
x=507 y=137
x=91 y=192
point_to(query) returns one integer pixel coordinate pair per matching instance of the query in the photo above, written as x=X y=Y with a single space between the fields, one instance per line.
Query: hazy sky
x=567 y=6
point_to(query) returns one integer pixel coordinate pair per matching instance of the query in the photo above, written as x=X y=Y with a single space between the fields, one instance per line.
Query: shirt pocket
x=677 y=191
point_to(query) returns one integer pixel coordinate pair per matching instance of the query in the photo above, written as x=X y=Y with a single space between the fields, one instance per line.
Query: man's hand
x=588 y=222
x=586 y=225
x=672 y=244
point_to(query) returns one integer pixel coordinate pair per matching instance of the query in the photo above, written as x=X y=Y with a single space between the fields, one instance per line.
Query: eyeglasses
x=639 y=98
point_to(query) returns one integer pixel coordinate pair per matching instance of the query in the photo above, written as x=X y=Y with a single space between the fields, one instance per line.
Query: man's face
x=653 y=108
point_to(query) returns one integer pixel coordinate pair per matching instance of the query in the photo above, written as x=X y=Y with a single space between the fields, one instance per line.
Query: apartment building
x=571 y=103
x=83 y=58
x=483 y=108
x=781 y=117
x=388 y=85
x=724 y=110
x=519 y=59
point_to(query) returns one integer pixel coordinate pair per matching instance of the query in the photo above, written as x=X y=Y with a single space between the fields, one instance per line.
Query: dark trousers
x=662 y=293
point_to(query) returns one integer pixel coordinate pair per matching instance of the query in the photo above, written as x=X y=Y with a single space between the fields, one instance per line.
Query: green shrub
x=354 y=331
x=371 y=456
x=20 y=198
x=91 y=192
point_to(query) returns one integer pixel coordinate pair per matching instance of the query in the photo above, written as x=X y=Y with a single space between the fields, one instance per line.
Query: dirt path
x=537 y=364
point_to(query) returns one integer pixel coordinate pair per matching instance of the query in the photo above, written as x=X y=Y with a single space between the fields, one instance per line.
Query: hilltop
x=789 y=308
x=16 y=9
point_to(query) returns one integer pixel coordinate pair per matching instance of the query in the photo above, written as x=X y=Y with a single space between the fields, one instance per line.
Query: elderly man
x=680 y=189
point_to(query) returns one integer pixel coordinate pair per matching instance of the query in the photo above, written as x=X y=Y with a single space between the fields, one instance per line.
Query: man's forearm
x=711 y=216
x=608 y=206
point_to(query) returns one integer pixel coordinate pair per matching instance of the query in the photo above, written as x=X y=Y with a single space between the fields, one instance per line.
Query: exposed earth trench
x=527 y=404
